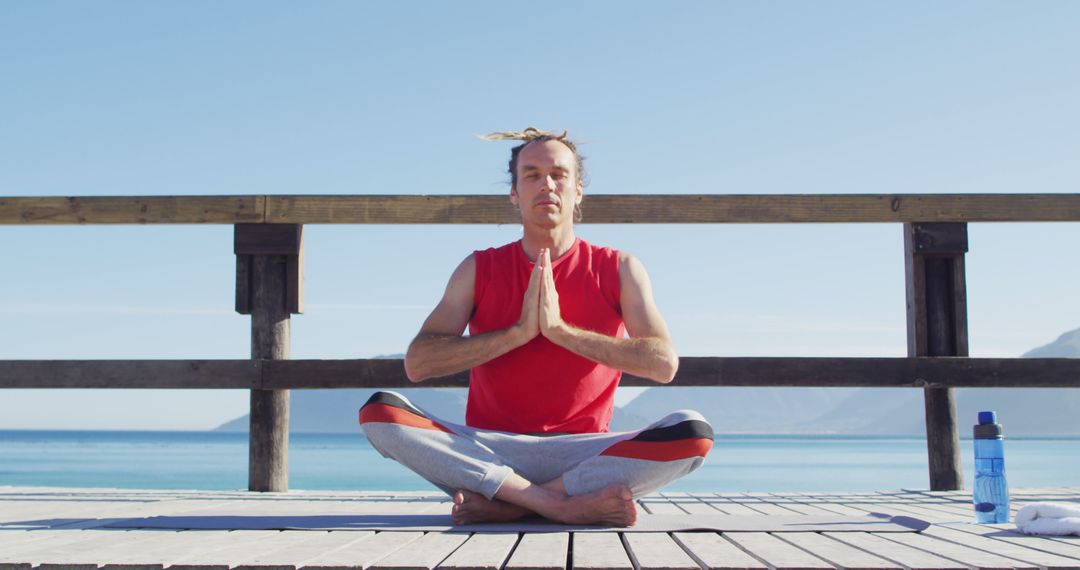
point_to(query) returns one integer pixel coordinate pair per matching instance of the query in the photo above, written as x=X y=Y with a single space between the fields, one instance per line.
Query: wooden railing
x=269 y=286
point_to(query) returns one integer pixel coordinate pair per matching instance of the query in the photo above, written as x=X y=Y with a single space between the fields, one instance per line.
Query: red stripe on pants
x=661 y=450
x=393 y=415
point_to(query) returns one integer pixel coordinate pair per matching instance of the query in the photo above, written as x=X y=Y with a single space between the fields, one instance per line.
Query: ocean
x=217 y=461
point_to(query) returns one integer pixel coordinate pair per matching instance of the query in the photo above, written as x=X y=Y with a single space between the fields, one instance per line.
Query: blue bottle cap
x=987 y=417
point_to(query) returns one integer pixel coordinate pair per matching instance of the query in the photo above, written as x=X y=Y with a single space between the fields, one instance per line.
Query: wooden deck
x=61 y=529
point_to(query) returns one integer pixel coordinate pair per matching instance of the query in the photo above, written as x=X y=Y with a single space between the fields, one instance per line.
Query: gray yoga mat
x=425 y=522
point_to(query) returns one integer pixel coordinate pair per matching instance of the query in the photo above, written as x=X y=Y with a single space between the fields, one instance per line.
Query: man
x=548 y=317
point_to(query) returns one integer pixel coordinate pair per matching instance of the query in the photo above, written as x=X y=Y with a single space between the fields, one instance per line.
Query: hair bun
x=528 y=134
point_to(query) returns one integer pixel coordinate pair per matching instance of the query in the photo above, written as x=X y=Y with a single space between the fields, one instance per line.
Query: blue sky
x=173 y=98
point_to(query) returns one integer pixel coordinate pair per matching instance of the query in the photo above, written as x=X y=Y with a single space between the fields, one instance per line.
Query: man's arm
x=648 y=352
x=440 y=349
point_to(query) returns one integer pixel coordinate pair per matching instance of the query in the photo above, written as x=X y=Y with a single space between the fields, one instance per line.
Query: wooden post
x=269 y=277
x=937 y=326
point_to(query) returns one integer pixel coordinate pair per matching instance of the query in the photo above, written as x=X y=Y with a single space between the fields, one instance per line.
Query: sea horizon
x=213 y=460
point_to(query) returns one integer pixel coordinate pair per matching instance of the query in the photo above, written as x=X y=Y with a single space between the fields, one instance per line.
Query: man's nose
x=549 y=183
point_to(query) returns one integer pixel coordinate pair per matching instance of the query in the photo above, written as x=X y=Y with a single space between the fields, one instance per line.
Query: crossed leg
x=518 y=497
x=590 y=478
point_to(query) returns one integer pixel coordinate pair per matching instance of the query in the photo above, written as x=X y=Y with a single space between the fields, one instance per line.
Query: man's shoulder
x=602 y=253
x=505 y=249
x=595 y=249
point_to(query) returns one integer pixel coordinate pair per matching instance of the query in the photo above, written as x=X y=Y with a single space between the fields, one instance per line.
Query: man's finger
x=549 y=273
x=537 y=274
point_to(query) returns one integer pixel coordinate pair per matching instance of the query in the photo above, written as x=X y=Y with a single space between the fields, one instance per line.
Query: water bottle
x=991 y=493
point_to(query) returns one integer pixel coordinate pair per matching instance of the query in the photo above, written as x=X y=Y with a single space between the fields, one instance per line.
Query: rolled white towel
x=1056 y=519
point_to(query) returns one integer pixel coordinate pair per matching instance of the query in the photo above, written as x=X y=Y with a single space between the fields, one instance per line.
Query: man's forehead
x=546 y=153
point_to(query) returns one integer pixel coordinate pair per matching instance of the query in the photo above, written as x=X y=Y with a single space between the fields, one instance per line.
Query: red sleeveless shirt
x=541 y=387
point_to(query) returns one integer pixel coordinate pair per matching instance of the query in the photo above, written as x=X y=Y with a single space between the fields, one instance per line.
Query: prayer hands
x=529 y=321
x=540 y=312
x=551 y=321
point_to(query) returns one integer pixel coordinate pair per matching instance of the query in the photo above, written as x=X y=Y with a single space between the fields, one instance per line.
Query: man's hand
x=551 y=322
x=528 y=325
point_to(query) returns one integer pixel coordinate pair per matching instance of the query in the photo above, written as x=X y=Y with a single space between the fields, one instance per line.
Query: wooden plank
x=541 y=551
x=974 y=558
x=826 y=505
x=659 y=505
x=687 y=502
x=693 y=371
x=29 y=512
x=83 y=514
x=657 y=551
x=425 y=553
x=1005 y=534
x=90 y=555
x=963 y=511
x=939 y=238
x=483 y=551
x=389 y=209
x=363 y=553
x=696 y=506
x=295 y=549
x=242 y=304
x=714 y=552
x=775 y=552
x=599 y=551
x=129 y=373
x=218 y=551
x=766 y=503
x=1034 y=557
x=268 y=239
x=155 y=556
x=800 y=503
x=906 y=556
x=81 y=554
x=734 y=371
x=928 y=515
x=294 y=508
x=23 y=555
x=132 y=210
x=728 y=505
x=837 y=553
x=493 y=208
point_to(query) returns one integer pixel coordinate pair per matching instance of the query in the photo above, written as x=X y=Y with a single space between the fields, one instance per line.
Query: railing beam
x=937 y=326
x=718 y=371
x=495 y=209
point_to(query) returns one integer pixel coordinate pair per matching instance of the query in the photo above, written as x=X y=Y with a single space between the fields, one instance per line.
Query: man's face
x=548 y=187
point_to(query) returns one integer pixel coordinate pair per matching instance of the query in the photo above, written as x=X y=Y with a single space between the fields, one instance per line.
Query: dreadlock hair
x=531 y=135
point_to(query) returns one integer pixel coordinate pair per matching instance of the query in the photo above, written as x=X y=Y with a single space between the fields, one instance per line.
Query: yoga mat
x=425 y=522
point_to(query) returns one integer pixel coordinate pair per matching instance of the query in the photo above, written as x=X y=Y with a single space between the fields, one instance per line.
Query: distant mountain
x=337 y=410
x=856 y=411
x=743 y=409
x=874 y=411
x=1023 y=411
x=1066 y=346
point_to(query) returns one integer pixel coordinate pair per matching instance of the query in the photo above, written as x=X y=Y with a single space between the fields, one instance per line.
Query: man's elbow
x=413 y=374
x=414 y=369
x=671 y=367
x=667 y=367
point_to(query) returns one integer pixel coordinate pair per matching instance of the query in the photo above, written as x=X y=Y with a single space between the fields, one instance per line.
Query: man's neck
x=558 y=240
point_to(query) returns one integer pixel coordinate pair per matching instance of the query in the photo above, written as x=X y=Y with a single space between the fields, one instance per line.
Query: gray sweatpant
x=453 y=456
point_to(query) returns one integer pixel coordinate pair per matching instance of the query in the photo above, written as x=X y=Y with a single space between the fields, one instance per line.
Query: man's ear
x=580 y=194
x=513 y=195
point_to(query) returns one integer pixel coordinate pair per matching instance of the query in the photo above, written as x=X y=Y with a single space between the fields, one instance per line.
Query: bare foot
x=613 y=506
x=471 y=508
